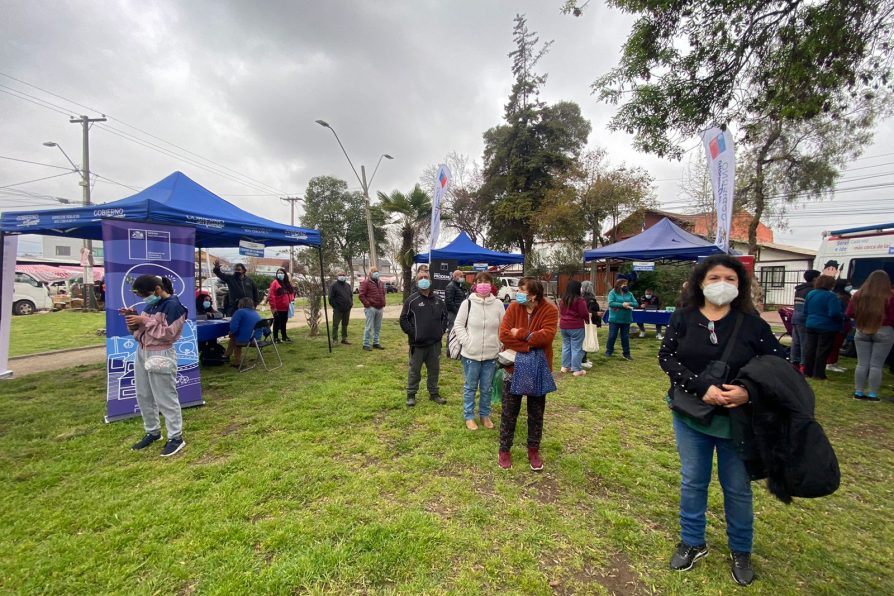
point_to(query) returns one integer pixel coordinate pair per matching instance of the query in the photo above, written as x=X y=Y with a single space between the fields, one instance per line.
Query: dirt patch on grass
x=265 y=556
x=875 y=433
x=543 y=488
x=619 y=577
x=230 y=429
x=189 y=588
x=75 y=432
x=208 y=459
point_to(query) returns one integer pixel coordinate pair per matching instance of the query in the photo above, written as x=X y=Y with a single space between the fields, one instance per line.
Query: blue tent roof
x=664 y=240
x=465 y=252
x=175 y=200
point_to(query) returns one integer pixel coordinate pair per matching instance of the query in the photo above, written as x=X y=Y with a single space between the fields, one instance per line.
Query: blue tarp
x=175 y=200
x=465 y=252
x=663 y=241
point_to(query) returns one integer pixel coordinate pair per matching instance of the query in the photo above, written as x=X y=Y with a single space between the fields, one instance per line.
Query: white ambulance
x=859 y=251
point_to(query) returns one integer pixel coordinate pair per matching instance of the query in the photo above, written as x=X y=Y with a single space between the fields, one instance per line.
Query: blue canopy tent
x=176 y=200
x=465 y=252
x=663 y=241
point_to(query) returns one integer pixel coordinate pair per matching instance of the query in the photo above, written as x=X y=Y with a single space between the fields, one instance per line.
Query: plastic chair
x=259 y=346
x=786 y=315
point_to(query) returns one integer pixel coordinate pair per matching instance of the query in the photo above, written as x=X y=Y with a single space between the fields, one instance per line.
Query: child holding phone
x=155 y=367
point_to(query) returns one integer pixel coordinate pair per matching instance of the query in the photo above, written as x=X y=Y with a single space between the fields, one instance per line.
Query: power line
x=36 y=103
x=37 y=163
x=37 y=180
x=56 y=106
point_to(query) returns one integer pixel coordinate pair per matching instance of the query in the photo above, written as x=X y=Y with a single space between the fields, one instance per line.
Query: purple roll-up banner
x=132 y=249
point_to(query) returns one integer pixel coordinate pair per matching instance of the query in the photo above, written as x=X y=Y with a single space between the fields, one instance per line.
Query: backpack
x=211 y=353
x=454 y=348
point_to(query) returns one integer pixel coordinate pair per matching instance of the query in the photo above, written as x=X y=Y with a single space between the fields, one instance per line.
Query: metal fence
x=778 y=285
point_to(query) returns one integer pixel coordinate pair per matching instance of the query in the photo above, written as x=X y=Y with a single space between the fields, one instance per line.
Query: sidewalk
x=59 y=359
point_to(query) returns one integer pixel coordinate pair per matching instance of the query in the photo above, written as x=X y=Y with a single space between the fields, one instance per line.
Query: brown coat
x=538 y=334
x=372 y=293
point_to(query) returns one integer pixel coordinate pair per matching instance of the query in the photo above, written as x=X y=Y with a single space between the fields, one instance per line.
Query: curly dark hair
x=695 y=297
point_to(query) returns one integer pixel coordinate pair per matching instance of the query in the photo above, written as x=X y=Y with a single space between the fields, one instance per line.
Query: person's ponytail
x=166 y=285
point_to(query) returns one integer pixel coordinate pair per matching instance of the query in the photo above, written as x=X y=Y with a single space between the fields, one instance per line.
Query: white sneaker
x=642 y=334
x=659 y=337
x=835 y=368
x=587 y=364
x=564 y=370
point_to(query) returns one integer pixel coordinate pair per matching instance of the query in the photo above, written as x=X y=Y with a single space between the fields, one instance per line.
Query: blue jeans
x=373 y=325
x=478 y=375
x=798 y=334
x=572 y=348
x=613 y=330
x=696 y=451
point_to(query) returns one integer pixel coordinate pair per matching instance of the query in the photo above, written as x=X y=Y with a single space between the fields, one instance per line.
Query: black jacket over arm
x=341 y=297
x=786 y=441
x=237 y=288
x=424 y=319
x=454 y=295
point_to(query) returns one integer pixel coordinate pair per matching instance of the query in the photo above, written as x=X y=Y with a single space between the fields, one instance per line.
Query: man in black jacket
x=239 y=285
x=341 y=298
x=454 y=295
x=424 y=320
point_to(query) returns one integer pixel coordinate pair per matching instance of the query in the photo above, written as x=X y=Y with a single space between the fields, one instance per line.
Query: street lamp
x=89 y=300
x=373 y=259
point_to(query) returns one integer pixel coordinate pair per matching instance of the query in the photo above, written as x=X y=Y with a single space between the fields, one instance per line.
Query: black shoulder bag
x=717 y=373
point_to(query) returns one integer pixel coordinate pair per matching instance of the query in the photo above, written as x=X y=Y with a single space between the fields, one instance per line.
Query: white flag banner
x=721 y=157
x=8 y=263
x=441 y=184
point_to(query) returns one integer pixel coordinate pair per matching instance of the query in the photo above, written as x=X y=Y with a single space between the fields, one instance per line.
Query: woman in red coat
x=280 y=298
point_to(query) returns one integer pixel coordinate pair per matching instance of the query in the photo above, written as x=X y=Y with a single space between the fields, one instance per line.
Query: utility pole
x=373 y=259
x=292 y=201
x=89 y=296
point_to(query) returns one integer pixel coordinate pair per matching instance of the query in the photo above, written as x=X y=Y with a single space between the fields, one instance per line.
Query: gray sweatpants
x=872 y=351
x=157 y=392
x=431 y=357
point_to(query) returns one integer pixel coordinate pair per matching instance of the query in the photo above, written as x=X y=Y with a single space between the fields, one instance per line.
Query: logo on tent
x=717 y=146
x=25 y=221
x=108 y=213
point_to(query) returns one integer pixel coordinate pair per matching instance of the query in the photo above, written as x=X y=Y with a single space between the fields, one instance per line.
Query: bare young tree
x=696 y=193
x=464 y=208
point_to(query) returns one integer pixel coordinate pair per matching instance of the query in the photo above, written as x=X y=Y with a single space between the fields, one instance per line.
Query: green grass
x=55 y=331
x=316 y=478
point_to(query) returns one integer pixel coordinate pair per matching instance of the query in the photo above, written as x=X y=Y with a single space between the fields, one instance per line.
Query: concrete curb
x=54 y=352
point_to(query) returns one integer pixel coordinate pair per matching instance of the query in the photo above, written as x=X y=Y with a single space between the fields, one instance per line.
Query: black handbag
x=717 y=372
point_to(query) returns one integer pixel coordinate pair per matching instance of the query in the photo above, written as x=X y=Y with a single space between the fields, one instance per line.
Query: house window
x=773 y=277
x=63 y=251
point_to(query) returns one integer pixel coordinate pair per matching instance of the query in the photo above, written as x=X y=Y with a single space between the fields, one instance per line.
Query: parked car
x=508 y=286
x=390 y=288
x=30 y=295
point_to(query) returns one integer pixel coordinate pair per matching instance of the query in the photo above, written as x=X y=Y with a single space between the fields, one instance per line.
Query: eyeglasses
x=713 y=334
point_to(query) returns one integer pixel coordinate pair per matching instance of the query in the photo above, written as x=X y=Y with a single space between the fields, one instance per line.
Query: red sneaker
x=505 y=460
x=534 y=459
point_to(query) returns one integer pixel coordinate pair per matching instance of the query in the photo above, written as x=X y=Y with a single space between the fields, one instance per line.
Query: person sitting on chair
x=204 y=307
x=242 y=328
x=650 y=301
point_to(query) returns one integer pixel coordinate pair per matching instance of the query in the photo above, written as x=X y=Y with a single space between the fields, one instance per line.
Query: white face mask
x=720 y=293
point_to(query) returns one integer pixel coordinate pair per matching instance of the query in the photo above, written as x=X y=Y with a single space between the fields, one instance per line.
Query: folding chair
x=785 y=314
x=259 y=346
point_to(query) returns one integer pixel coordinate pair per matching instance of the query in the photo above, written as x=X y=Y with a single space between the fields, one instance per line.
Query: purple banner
x=132 y=249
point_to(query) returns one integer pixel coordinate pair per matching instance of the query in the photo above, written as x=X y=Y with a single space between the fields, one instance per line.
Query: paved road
x=29 y=365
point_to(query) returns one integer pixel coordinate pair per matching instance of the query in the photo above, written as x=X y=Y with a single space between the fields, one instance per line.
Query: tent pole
x=200 y=268
x=323 y=297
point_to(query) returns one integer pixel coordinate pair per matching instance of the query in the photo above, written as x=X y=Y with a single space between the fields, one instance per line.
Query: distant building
x=67 y=251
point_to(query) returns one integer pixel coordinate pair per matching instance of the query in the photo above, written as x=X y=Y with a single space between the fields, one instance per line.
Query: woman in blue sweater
x=823 y=316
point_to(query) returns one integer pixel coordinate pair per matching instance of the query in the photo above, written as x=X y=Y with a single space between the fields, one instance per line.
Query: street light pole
x=292 y=201
x=89 y=295
x=373 y=258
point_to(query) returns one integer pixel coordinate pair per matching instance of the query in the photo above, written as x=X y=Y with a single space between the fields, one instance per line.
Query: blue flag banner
x=133 y=249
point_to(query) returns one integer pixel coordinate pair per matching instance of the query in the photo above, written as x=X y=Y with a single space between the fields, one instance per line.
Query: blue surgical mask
x=375 y=275
x=521 y=297
x=280 y=276
x=424 y=284
x=342 y=278
x=151 y=300
x=206 y=304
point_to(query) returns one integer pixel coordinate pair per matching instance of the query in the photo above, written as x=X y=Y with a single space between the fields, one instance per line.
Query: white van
x=508 y=286
x=859 y=251
x=30 y=295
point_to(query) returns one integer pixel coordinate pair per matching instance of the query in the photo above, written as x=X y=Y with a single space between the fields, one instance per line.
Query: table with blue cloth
x=212 y=329
x=648 y=317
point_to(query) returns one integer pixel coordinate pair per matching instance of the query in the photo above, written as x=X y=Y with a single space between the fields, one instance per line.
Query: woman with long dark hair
x=280 y=297
x=873 y=308
x=155 y=364
x=573 y=314
x=620 y=314
x=718 y=308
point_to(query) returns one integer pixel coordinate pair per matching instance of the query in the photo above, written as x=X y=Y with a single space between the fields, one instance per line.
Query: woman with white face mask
x=718 y=307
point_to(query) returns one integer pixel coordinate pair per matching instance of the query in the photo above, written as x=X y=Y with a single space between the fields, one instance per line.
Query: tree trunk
x=350 y=270
x=759 y=196
x=406 y=264
x=593 y=266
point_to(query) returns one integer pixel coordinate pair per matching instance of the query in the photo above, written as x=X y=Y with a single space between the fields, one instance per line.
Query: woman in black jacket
x=719 y=293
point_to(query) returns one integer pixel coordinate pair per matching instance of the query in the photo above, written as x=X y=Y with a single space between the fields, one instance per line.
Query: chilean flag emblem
x=717 y=146
x=442 y=178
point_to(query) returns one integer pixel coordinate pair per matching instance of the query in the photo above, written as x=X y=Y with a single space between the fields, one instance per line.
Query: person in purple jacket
x=573 y=314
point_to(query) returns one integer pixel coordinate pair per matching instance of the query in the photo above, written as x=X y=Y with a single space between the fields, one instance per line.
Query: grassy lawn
x=54 y=331
x=316 y=478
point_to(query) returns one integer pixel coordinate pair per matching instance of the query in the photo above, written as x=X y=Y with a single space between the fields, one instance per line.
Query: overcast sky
x=241 y=83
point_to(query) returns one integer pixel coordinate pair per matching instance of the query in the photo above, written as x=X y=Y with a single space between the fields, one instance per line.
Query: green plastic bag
x=496 y=393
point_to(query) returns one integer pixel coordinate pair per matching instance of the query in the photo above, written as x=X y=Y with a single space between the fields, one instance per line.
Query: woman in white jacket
x=477 y=327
